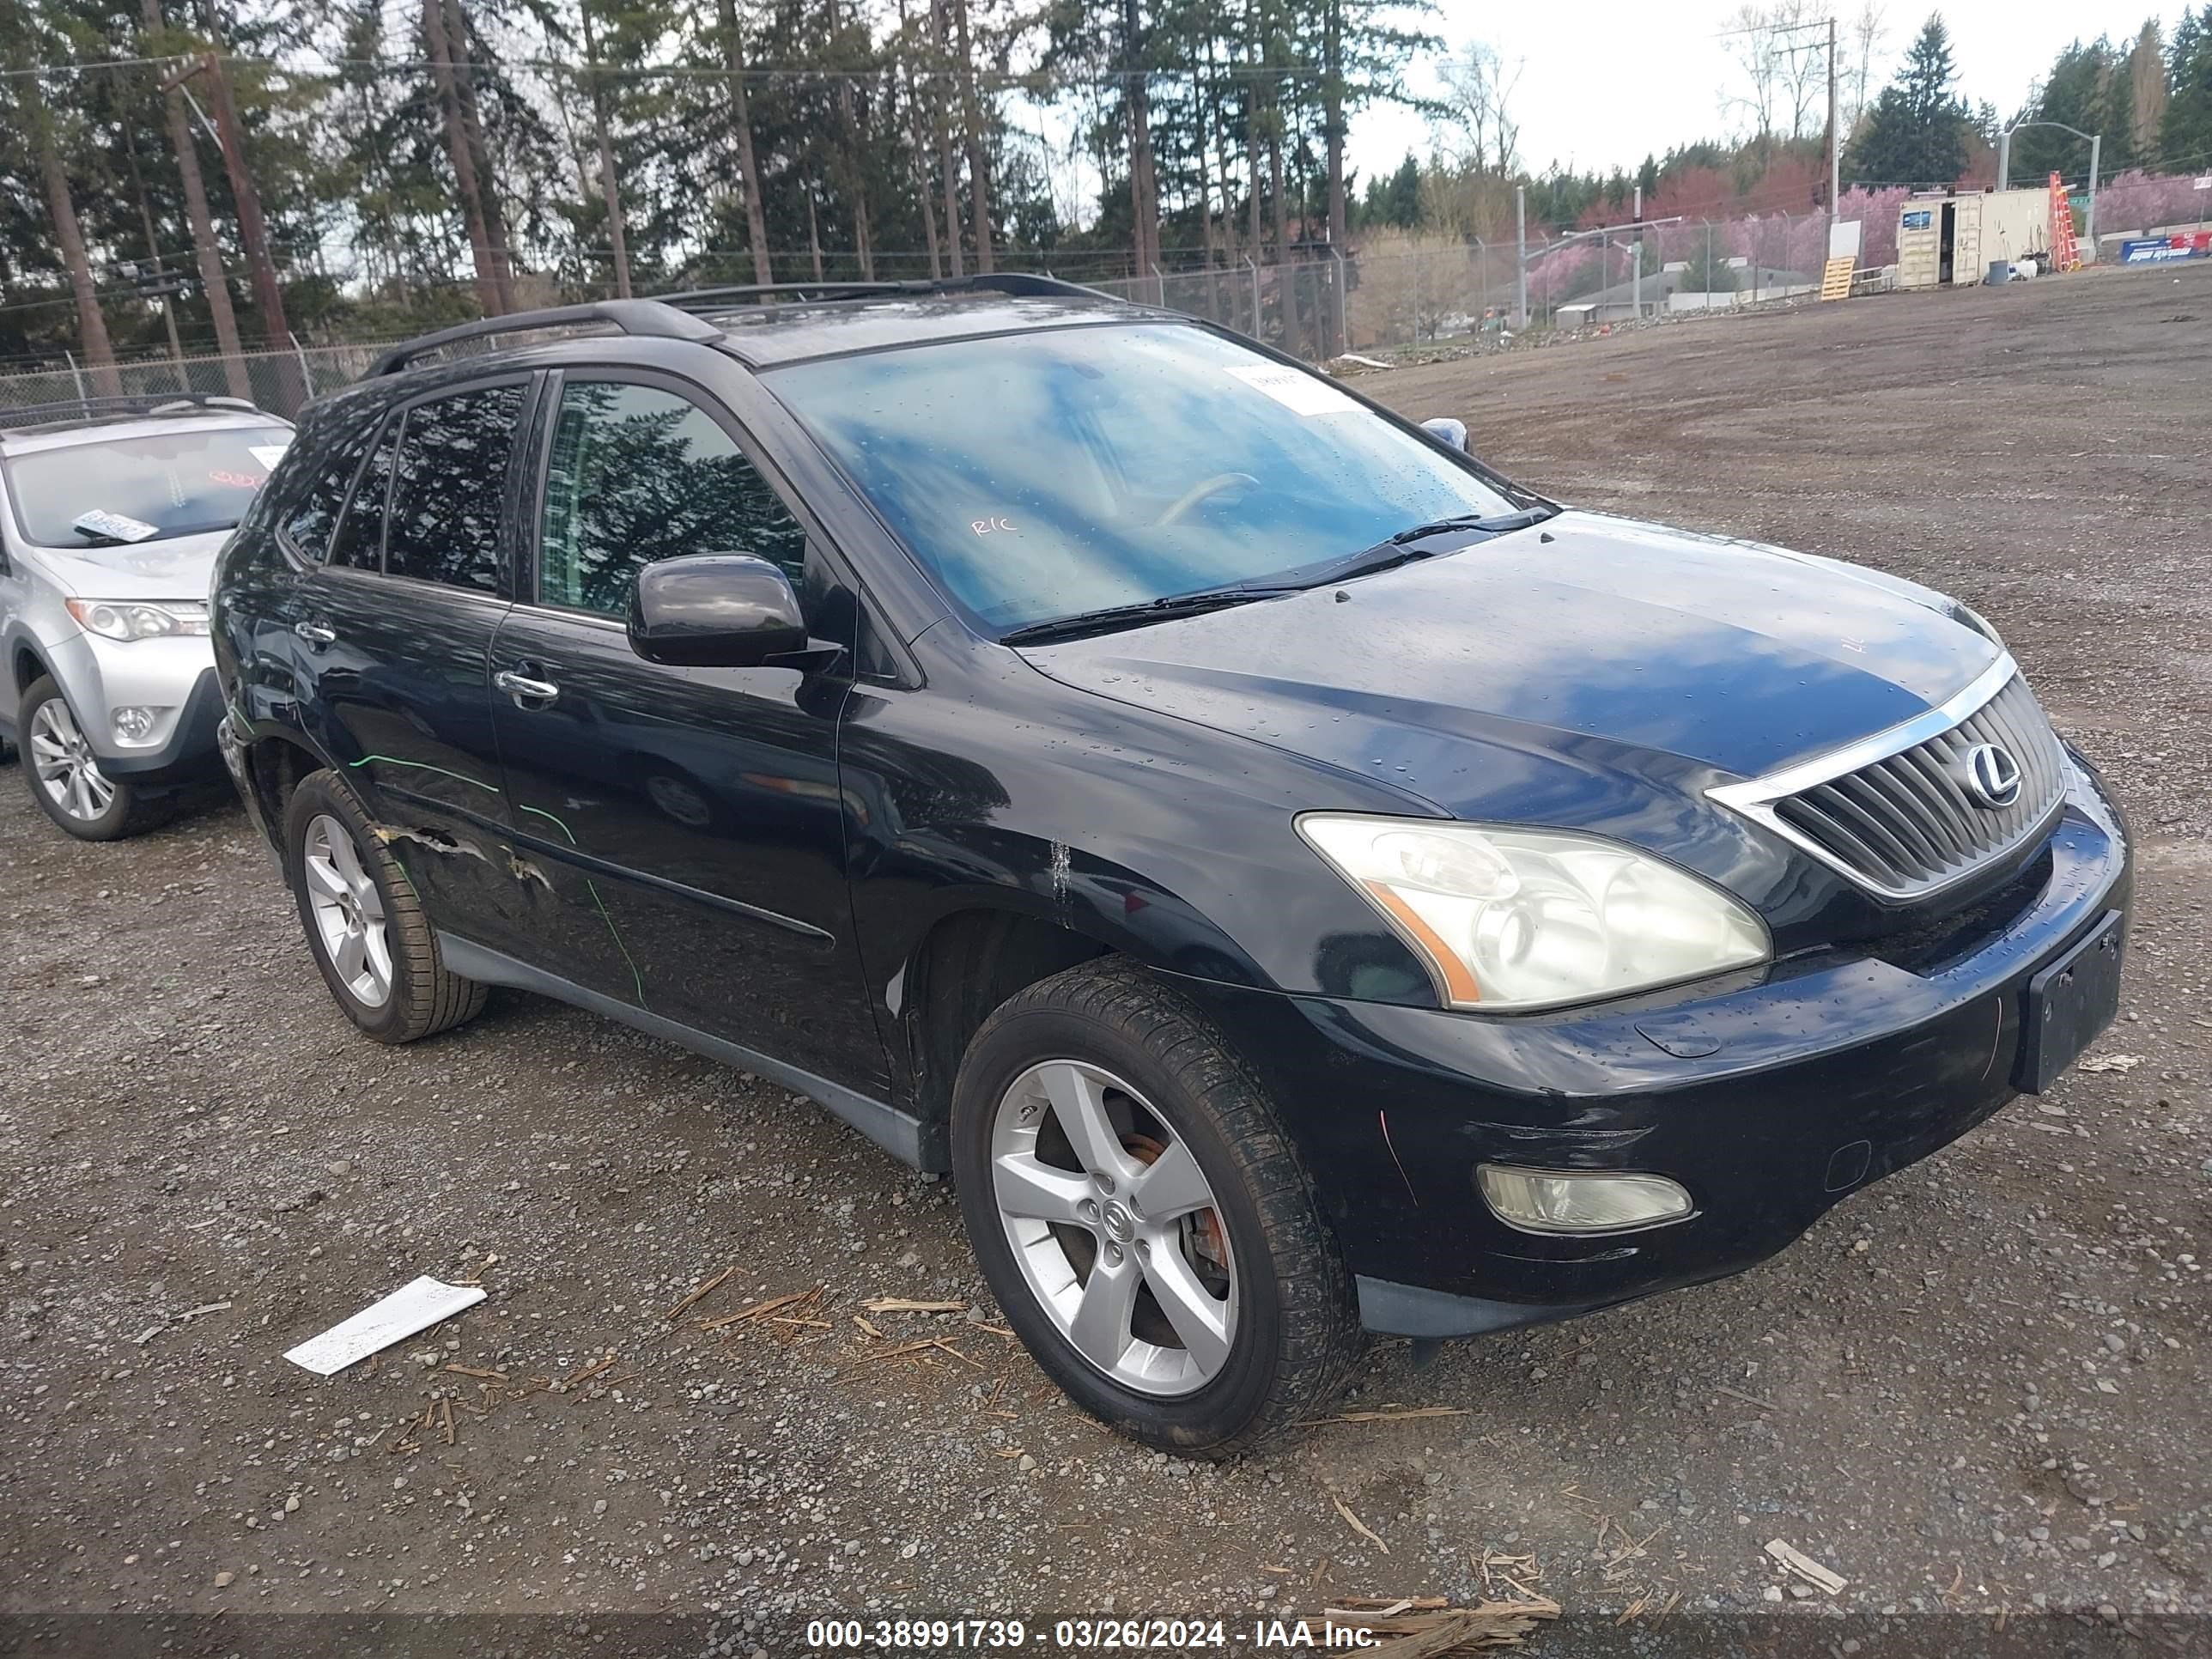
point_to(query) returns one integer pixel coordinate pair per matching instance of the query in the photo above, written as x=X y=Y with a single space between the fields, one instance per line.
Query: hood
x=181 y=568
x=1504 y=679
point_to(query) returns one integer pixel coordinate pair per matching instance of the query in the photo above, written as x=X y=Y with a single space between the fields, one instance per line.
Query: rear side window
x=358 y=543
x=448 y=485
x=329 y=456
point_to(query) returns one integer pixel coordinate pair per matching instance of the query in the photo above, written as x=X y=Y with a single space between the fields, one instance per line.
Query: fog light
x=134 y=724
x=1579 y=1200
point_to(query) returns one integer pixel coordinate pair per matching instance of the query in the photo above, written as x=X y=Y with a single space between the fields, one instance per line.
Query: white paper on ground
x=409 y=1309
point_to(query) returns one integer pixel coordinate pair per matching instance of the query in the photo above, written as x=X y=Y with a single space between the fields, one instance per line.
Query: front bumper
x=175 y=675
x=1769 y=1101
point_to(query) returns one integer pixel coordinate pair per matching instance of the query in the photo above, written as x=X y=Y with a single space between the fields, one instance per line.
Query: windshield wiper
x=1495 y=523
x=1108 y=618
x=1394 y=550
x=1383 y=556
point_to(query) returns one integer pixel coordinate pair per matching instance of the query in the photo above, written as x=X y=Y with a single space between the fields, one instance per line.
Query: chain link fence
x=1409 y=294
x=279 y=381
x=1397 y=293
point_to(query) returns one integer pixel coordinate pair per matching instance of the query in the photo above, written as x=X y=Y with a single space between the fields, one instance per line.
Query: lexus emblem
x=1992 y=776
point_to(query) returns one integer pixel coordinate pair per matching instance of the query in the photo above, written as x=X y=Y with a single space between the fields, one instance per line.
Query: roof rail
x=644 y=317
x=125 y=407
x=1001 y=282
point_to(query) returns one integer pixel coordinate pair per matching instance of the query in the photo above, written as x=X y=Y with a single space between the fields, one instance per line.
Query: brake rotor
x=1206 y=1238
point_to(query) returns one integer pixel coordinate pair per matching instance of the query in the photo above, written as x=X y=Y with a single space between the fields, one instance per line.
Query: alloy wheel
x=1114 y=1228
x=67 y=769
x=349 y=911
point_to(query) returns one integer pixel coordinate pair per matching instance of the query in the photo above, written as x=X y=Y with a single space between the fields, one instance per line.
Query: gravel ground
x=1978 y=1389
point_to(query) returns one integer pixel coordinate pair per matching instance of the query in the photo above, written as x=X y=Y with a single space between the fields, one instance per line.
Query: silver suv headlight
x=1508 y=918
x=137 y=619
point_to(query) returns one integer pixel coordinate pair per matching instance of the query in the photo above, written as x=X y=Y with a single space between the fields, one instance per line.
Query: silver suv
x=110 y=514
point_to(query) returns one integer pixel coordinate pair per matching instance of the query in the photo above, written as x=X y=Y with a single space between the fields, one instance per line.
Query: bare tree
x=492 y=294
x=207 y=252
x=1143 y=179
x=905 y=66
x=38 y=120
x=609 y=185
x=1750 y=36
x=979 y=154
x=741 y=130
x=851 y=167
x=1868 y=36
x=1480 y=132
x=948 y=168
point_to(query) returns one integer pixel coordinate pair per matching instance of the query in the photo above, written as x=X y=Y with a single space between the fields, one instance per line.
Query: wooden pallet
x=1836 y=278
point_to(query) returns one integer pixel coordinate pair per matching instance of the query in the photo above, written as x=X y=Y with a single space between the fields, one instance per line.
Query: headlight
x=1508 y=918
x=134 y=619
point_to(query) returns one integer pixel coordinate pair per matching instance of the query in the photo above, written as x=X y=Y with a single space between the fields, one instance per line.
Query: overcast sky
x=1604 y=82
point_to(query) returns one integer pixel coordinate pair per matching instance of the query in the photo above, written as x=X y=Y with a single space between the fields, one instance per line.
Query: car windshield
x=147 y=488
x=1045 y=475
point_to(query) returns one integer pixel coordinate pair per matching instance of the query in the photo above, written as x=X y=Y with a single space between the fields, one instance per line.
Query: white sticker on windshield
x=115 y=526
x=267 y=454
x=1295 y=390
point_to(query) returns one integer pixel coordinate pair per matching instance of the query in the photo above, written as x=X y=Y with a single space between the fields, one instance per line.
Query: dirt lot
x=1980 y=1387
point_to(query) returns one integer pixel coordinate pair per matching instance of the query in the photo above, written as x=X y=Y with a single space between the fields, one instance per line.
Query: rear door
x=393 y=632
x=690 y=818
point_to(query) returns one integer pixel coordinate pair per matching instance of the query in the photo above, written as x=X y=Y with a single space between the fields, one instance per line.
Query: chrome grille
x=1896 y=814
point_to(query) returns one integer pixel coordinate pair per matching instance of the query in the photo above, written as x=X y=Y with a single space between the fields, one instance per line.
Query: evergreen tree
x=2184 y=133
x=1916 y=132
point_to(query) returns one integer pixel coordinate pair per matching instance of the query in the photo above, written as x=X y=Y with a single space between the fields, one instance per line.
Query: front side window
x=119 y=492
x=449 y=483
x=1041 y=475
x=637 y=475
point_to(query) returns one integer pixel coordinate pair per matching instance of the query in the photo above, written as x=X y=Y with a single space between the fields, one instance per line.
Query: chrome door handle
x=523 y=689
x=315 y=633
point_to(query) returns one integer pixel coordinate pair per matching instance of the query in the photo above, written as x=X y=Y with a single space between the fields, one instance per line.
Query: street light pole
x=1521 y=263
x=2089 y=207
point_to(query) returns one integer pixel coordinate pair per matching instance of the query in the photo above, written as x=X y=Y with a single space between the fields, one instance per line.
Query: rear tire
x=1224 y=1313
x=364 y=922
x=64 y=778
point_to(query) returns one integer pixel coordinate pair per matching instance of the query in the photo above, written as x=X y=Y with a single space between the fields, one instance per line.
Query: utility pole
x=1520 y=263
x=1835 y=143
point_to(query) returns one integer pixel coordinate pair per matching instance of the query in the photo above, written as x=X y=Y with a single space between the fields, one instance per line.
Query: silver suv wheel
x=67 y=769
x=1114 y=1228
x=348 y=911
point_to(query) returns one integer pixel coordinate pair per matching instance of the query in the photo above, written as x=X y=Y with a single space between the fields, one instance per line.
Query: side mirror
x=1448 y=432
x=715 y=610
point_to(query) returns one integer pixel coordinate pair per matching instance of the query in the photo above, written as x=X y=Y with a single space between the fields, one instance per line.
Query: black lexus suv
x=1294 y=880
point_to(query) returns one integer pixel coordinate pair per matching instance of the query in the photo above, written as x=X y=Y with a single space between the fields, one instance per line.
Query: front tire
x=1142 y=1219
x=364 y=921
x=64 y=777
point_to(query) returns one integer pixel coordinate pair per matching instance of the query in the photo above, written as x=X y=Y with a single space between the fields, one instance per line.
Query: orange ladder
x=2065 y=253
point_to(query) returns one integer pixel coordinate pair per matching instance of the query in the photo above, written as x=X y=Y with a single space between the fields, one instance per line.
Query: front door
x=393 y=640
x=690 y=818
